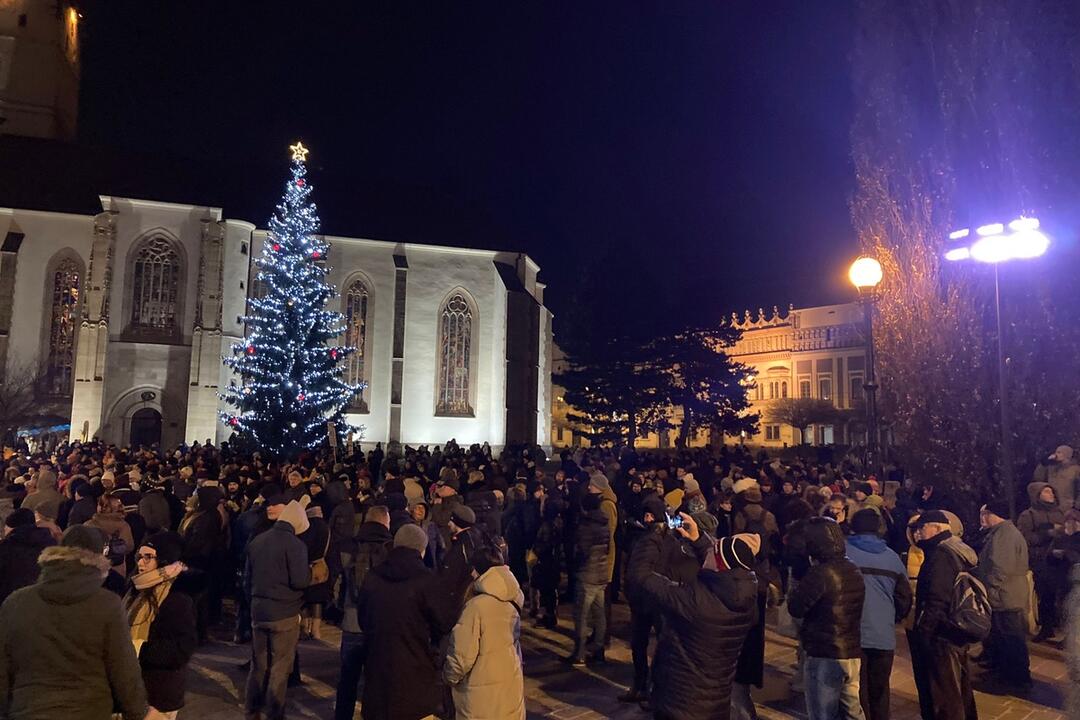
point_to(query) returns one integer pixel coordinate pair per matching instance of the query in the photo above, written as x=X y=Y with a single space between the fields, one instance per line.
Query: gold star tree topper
x=299 y=152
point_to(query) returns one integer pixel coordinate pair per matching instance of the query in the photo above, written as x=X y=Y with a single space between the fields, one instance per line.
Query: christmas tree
x=289 y=367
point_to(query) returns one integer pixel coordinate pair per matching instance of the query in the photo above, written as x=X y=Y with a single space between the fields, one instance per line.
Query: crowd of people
x=117 y=563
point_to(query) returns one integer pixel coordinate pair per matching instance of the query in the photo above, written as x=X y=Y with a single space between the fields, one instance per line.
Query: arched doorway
x=145 y=427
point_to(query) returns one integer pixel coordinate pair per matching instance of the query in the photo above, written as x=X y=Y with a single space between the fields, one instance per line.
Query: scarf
x=149 y=590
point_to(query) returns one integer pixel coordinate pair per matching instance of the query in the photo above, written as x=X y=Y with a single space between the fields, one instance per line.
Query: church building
x=119 y=309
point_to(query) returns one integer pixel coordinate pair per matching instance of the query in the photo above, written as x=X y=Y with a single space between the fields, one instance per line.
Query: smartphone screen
x=674 y=521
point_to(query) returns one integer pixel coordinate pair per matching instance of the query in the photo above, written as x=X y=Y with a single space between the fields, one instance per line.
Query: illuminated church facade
x=119 y=309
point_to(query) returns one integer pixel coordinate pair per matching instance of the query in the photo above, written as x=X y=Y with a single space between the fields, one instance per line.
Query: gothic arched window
x=455 y=354
x=66 y=286
x=155 y=282
x=356 y=330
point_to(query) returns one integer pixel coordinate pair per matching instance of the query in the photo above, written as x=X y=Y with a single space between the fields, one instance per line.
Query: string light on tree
x=290 y=385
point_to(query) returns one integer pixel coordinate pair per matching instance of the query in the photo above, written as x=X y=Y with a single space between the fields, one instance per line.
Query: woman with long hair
x=162 y=621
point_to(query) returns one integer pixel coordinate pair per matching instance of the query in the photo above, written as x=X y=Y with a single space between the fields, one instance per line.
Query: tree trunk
x=684 y=429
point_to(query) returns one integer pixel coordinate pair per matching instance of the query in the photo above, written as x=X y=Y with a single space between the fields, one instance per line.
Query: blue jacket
x=888 y=592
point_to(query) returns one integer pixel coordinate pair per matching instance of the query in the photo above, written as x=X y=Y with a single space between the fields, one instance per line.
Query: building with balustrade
x=816 y=352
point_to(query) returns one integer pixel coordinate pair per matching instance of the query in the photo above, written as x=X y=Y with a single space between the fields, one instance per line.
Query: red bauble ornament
x=234 y=422
x=333 y=354
x=276 y=247
x=300 y=397
x=316 y=255
x=300 y=182
x=250 y=349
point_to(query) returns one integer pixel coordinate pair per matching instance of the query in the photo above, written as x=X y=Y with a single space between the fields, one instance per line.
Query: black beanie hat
x=20 y=518
x=999 y=507
x=169 y=547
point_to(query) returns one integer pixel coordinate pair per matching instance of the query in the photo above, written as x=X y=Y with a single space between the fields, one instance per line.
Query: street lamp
x=865 y=274
x=994 y=244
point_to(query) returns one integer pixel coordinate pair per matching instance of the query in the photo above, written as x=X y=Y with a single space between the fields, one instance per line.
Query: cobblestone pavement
x=554 y=690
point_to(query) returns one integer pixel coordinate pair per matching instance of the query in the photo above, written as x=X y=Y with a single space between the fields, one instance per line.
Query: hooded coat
x=113 y=524
x=1003 y=567
x=46 y=499
x=398 y=614
x=19 y=553
x=829 y=598
x=705 y=624
x=888 y=592
x=1040 y=524
x=483 y=664
x=65 y=648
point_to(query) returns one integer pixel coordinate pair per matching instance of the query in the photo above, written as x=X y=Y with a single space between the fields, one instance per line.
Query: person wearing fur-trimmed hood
x=65 y=648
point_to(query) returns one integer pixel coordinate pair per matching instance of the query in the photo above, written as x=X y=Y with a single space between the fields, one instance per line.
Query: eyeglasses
x=145 y=556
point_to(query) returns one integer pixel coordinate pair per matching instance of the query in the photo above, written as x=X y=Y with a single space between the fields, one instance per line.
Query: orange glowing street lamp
x=865 y=274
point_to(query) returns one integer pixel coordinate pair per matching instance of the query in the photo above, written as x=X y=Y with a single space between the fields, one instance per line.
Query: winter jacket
x=46 y=499
x=342 y=521
x=486 y=506
x=829 y=598
x=316 y=539
x=276 y=574
x=204 y=539
x=751 y=517
x=609 y=506
x=65 y=647
x=1003 y=567
x=888 y=592
x=19 y=553
x=1040 y=524
x=945 y=556
x=679 y=562
x=154 y=509
x=113 y=525
x=440 y=515
x=1064 y=477
x=373 y=544
x=483 y=664
x=1071 y=646
x=592 y=539
x=705 y=624
x=165 y=655
x=399 y=618
x=81 y=511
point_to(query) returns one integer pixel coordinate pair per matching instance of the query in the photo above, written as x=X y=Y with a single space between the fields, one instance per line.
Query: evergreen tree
x=290 y=370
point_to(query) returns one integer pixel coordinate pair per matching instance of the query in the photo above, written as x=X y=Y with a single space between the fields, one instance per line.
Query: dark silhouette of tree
x=801 y=413
x=966 y=113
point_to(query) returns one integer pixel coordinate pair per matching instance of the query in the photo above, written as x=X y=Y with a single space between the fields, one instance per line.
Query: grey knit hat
x=411 y=536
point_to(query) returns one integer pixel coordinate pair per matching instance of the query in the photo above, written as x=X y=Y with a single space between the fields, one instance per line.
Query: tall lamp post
x=994 y=244
x=865 y=274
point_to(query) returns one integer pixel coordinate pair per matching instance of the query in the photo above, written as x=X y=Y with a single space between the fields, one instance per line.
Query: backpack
x=116 y=549
x=969 y=610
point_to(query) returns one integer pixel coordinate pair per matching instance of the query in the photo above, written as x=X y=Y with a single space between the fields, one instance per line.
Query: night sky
x=682 y=159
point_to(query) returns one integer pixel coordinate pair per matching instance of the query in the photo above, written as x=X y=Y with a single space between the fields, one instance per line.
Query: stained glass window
x=155 y=286
x=455 y=351
x=66 y=281
x=356 y=317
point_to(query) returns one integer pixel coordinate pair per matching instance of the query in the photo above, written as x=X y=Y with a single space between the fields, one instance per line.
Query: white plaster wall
x=375 y=262
x=137 y=218
x=433 y=274
x=239 y=252
x=46 y=234
x=147 y=366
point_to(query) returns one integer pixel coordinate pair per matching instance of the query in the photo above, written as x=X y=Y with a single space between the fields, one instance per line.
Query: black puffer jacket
x=705 y=624
x=592 y=545
x=829 y=598
x=679 y=562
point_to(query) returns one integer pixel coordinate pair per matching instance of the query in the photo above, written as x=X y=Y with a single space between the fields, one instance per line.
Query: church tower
x=39 y=68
